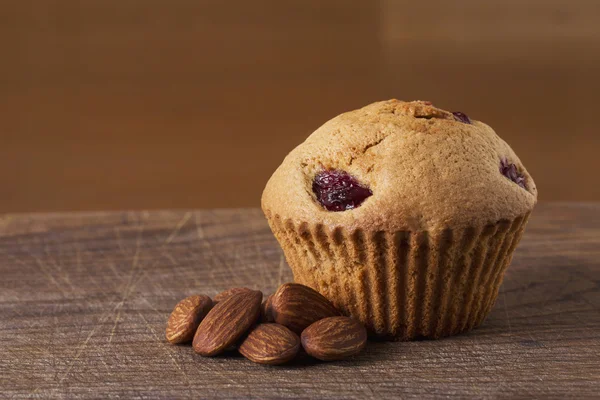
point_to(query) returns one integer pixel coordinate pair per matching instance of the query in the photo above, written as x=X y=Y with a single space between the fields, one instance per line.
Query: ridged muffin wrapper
x=403 y=285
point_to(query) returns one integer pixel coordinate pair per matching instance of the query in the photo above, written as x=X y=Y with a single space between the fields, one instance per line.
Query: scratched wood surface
x=84 y=299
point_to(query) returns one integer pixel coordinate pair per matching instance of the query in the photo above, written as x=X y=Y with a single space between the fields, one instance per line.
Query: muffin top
x=396 y=165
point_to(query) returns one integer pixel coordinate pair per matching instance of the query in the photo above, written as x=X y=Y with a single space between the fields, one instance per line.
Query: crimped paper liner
x=404 y=285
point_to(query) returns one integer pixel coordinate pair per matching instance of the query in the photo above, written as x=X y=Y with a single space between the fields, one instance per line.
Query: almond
x=271 y=344
x=186 y=317
x=227 y=322
x=229 y=292
x=266 y=310
x=297 y=306
x=334 y=338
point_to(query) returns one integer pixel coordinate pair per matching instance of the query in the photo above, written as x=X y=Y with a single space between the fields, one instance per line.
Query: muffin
x=404 y=215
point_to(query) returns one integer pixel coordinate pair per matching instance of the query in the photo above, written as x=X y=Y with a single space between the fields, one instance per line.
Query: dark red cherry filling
x=339 y=191
x=462 y=117
x=510 y=171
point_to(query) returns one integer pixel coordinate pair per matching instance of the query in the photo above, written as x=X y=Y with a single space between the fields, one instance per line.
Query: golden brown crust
x=427 y=172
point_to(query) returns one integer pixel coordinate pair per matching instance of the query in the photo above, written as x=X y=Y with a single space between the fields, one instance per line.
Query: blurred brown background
x=159 y=104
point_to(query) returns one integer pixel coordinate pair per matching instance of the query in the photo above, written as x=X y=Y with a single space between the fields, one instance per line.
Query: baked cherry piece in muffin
x=462 y=117
x=510 y=171
x=338 y=190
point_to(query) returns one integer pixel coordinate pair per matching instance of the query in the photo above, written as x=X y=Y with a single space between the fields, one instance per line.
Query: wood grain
x=84 y=299
x=109 y=104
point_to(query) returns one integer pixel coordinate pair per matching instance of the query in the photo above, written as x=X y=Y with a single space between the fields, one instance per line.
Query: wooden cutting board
x=84 y=299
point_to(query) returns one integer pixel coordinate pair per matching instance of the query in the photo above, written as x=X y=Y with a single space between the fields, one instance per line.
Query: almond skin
x=228 y=321
x=271 y=344
x=186 y=317
x=267 y=310
x=297 y=306
x=229 y=292
x=334 y=338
